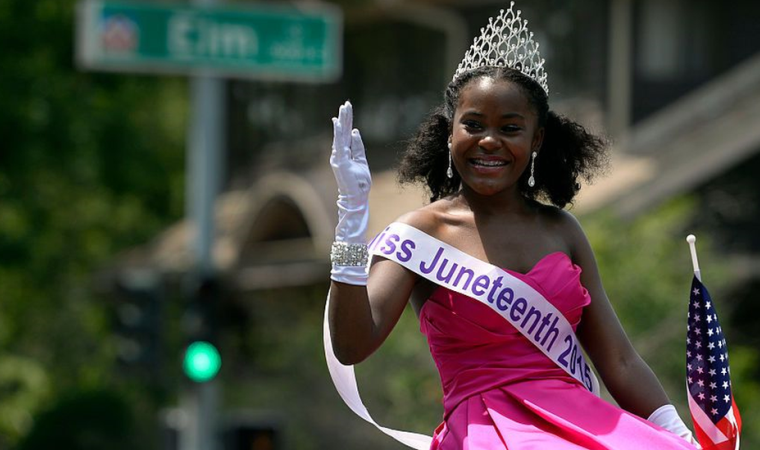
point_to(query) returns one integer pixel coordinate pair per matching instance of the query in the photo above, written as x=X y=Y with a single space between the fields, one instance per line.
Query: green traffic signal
x=202 y=361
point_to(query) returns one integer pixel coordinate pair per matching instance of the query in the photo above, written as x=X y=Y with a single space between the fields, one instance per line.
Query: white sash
x=513 y=299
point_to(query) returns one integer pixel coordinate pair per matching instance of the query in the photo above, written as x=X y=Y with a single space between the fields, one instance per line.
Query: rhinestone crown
x=506 y=42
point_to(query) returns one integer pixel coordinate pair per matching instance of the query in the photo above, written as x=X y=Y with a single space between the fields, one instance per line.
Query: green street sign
x=301 y=43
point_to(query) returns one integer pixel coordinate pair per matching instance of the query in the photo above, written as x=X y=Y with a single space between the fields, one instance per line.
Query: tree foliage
x=90 y=164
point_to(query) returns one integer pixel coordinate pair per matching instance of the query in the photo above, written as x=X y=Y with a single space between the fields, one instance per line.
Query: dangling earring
x=532 y=179
x=450 y=171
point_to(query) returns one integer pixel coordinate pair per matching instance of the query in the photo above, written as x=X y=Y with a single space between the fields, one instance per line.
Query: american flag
x=708 y=378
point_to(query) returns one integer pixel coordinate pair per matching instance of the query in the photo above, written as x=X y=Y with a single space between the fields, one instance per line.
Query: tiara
x=506 y=42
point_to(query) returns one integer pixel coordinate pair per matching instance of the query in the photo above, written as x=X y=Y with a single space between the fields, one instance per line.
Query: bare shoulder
x=558 y=219
x=576 y=239
x=429 y=219
x=567 y=226
x=569 y=221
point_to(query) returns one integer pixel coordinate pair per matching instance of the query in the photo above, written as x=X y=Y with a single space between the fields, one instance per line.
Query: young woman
x=500 y=166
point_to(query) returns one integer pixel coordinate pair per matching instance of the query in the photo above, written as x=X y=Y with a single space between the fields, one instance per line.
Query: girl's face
x=494 y=132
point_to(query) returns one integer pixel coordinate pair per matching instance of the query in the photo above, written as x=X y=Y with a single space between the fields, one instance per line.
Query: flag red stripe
x=735 y=409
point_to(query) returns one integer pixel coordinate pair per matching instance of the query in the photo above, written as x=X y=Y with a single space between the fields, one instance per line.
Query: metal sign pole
x=205 y=141
x=297 y=43
x=204 y=144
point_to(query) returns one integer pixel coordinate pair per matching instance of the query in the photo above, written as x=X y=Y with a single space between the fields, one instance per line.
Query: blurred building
x=676 y=83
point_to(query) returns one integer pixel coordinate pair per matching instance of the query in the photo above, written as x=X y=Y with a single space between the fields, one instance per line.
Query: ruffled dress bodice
x=501 y=392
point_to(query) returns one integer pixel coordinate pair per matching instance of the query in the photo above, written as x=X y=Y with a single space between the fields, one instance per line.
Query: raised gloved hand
x=667 y=417
x=349 y=165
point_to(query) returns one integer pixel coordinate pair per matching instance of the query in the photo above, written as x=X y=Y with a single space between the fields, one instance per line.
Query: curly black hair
x=568 y=152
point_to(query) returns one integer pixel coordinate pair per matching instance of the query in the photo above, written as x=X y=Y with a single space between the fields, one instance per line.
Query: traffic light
x=201 y=360
x=136 y=314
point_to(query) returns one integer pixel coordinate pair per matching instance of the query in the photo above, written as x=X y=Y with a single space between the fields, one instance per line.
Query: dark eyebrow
x=513 y=115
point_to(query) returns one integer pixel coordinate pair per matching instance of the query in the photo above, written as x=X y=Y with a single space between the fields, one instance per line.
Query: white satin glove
x=349 y=165
x=667 y=417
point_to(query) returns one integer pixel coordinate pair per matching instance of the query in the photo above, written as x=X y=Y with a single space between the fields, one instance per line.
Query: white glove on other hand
x=349 y=165
x=667 y=417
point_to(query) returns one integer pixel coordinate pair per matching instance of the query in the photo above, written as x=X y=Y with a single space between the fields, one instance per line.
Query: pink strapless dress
x=501 y=392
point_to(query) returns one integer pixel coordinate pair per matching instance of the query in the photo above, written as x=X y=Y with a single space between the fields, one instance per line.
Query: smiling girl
x=500 y=168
